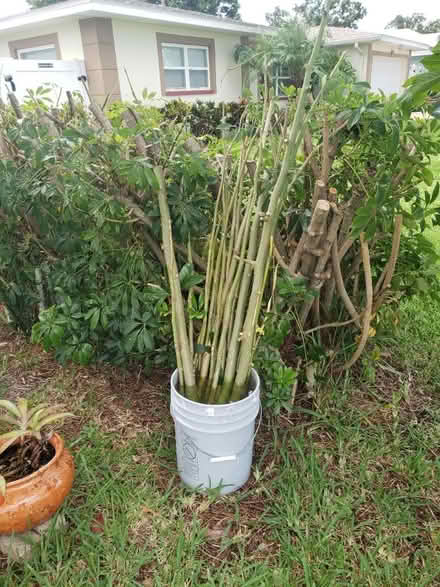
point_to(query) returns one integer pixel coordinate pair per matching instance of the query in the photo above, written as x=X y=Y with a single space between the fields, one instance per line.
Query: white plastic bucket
x=214 y=443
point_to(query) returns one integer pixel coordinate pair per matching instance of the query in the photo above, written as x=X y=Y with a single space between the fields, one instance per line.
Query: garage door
x=388 y=74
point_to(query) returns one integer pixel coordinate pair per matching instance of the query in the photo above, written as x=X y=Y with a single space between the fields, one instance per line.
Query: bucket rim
x=251 y=396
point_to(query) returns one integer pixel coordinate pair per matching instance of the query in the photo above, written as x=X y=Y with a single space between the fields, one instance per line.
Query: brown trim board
x=100 y=57
x=185 y=40
x=32 y=42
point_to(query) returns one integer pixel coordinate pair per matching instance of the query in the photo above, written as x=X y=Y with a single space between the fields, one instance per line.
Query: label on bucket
x=190 y=461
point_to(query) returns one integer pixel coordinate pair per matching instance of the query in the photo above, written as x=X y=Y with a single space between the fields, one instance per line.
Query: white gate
x=20 y=75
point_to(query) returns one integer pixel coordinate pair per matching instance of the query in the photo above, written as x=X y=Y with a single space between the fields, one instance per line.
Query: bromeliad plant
x=27 y=430
x=214 y=360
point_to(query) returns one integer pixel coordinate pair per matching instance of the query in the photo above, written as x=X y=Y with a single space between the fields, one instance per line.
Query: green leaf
x=129 y=326
x=10 y=438
x=56 y=335
x=10 y=407
x=9 y=420
x=202 y=348
x=432 y=62
x=95 y=319
x=157 y=292
x=188 y=277
x=422 y=284
x=428 y=176
x=37 y=415
x=151 y=178
x=130 y=341
x=148 y=340
x=84 y=354
x=53 y=418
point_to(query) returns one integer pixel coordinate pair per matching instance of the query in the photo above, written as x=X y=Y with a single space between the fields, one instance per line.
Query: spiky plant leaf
x=9 y=420
x=50 y=419
x=10 y=438
x=38 y=415
x=38 y=408
x=23 y=408
x=10 y=407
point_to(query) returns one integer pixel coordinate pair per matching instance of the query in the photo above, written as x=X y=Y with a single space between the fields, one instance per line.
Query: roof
x=429 y=38
x=131 y=9
x=339 y=36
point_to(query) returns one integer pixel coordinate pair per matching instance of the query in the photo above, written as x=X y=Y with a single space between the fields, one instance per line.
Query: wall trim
x=187 y=40
x=392 y=53
x=369 y=63
x=100 y=58
x=32 y=42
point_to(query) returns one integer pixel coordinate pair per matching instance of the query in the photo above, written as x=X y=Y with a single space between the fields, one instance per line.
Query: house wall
x=137 y=52
x=400 y=68
x=69 y=38
x=359 y=60
x=387 y=48
x=362 y=60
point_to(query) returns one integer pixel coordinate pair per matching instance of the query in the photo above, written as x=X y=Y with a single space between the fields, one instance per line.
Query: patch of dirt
x=122 y=401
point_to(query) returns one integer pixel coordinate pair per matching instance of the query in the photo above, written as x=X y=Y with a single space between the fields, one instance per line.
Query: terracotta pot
x=35 y=499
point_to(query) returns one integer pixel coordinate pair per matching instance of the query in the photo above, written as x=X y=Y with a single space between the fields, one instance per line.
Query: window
x=42 y=47
x=187 y=65
x=43 y=52
x=280 y=79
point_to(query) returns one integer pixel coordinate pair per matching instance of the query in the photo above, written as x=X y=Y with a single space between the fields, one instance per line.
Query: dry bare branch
x=391 y=265
x=368 y=306
x=340 y=286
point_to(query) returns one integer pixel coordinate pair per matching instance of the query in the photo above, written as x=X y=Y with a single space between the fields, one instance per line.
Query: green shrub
x=205 y=118
x=78 y=268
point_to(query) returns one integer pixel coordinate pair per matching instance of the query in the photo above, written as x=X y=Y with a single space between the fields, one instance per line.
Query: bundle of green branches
x=214 y=361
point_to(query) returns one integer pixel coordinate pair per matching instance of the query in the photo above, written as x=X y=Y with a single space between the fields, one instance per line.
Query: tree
x=41 y=3
x=225 y=8
x=416 y=22
x=343 y=13
x=278 y=17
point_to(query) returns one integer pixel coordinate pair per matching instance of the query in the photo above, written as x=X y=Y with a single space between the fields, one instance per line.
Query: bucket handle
x=218 y=459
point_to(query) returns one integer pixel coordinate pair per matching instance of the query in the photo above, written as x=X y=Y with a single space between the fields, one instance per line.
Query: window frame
x=39 y=48
x=277 y=78
x=34 y=43
x=186 y=43
x=187 y=67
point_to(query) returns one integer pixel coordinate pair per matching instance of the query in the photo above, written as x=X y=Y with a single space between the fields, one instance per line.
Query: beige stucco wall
x=358 y=59
x=69 y=38
x=387 y=48
x=136 y=50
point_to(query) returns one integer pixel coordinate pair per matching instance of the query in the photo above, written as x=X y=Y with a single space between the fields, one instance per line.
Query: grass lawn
x=346 y=492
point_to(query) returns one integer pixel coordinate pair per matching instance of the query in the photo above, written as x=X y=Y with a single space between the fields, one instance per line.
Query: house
x=381 y=59
x=127 y=46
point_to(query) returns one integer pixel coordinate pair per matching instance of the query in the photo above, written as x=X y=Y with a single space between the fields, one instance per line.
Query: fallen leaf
x=146 y=510
x=98 y=523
